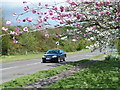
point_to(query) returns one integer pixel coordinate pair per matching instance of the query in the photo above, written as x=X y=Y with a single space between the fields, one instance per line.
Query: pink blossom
x=40 y=21
x=39 y=4
x=29 y=19
x=68 y=1
x=26 y=8
x=78 y=25
x=34 y=11
x=61 y=8
x=54 y=8
x=108 y=12
x=24 y=2
x=94 y=13
x=98 y=7
x=4 y=28
x=54 y=18
x=56 y=35
x=18 y=20
x=107 y=3
x=25 y=29
x=118 y=18
x=17 y=29
x=73 y=3
x=94 y=27
x=69 y=21
x=46 y=5
x=62 y=22
x=50 y=12
x=99 y=3
x=45 y=13
x=39 y=13
x=8 y=22
x=14 y=14
x=47 y=35
x=12 y=32
x=39 y=26
x=101 y=13
x=14 y=40
x=77 y=37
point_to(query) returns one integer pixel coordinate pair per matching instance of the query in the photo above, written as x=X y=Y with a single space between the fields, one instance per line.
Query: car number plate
x=47 y=58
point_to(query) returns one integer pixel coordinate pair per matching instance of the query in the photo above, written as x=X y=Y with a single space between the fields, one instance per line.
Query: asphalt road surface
x=16 y=69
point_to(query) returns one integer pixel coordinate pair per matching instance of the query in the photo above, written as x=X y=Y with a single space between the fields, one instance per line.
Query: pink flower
x=50 y=12
x=46 y=5
x=56 y=35
x=61 y=8
x=77 y=37
x=29 y=19
x=101 y=13
x=39 y=13
x=73 y=3
x=107 y=3
x=40 y=21
x=39 y=4
x=69 y=21
x=54 y=8
x=26 y=8
x=18 y=20
x=4 y=28
x=108 y=12
x=98 y=7
x=14 y=40
x=47 y=35
x=94 y=13
x=94 y=27
x=12 y=32
x=17 y=29
x=62 y=22
x=54 y=18
x=39 y=26
x=118 y=18
x=8 y=22
x=14 y=14
x=78 y=25
x=24 y=2
x=99 y=3
x=34 y=11
x=25 y=29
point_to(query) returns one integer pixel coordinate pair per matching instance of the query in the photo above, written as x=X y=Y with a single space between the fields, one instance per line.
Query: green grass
x=12 y=58
x=103 y=74
x=23 y=81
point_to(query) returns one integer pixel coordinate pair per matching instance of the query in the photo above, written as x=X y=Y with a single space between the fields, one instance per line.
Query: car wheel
x=44 y=61
x=58 y=60
x=64 y=59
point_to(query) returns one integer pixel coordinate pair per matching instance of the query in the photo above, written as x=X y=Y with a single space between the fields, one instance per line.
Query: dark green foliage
x=118 y=45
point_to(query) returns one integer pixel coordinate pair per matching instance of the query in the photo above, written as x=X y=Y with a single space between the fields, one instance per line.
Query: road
x=16 y=69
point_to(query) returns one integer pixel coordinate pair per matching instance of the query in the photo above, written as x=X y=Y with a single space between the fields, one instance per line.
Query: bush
x=113 y=58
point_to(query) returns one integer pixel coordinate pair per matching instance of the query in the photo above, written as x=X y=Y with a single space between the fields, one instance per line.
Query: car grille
x=48 y=56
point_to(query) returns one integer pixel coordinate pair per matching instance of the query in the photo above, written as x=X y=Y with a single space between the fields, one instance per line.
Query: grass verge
x=103 y=74
x=12 y=58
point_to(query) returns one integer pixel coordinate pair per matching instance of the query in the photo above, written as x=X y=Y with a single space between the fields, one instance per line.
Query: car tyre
x=58 y=60
x=64 y=59
x=44 y=61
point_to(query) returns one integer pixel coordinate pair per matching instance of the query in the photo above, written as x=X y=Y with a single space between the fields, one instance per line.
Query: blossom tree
x=96 y=21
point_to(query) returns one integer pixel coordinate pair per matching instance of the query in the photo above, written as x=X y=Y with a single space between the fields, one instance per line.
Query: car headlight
x=54 y=56
x=43 y=56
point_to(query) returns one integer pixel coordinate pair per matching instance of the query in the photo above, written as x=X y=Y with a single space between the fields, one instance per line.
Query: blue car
x=54 y=55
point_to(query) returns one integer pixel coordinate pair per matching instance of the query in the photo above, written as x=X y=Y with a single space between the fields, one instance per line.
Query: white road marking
x=19 y=66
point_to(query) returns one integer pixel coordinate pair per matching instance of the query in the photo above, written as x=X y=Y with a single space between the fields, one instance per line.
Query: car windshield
x=53 y=52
